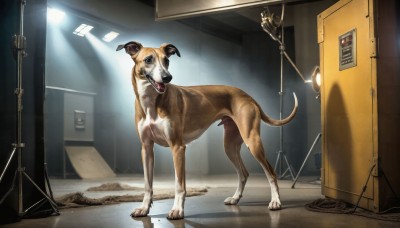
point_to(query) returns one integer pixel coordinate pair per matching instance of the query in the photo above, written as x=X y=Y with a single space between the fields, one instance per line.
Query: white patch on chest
x=156 y=130
x=153 y=127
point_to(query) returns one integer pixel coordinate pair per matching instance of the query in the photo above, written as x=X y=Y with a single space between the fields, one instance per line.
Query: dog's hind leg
x=232 y=144
x=249 y=127
x=148 y=169
x=257 y=150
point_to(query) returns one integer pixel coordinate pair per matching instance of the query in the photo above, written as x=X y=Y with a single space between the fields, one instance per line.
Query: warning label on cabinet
x=347 y=50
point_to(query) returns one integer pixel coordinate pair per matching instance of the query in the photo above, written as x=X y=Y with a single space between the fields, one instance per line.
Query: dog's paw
x=274 y=205
x=139 y=212
x=231 y=201
x=175 y=214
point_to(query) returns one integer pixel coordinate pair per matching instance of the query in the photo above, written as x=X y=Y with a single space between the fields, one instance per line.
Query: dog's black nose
x=167 y=78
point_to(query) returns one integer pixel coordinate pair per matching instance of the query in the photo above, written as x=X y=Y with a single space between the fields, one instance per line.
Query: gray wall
x=307 y=56
x=87 y=64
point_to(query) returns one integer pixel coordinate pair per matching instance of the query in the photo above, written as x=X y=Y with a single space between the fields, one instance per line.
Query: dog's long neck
x=146 y=96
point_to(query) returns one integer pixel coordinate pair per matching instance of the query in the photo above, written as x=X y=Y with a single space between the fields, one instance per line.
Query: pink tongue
x=160 y=87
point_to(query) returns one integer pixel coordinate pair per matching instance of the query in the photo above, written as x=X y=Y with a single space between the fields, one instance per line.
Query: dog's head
x=151 y=63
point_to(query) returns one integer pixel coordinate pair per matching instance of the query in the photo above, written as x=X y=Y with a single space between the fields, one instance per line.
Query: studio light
x=110 y=36
x=316 y=79
x=55 y=16
x=83 y=29
x=270 y=23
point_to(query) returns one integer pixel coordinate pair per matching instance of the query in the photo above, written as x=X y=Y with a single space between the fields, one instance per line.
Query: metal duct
x=178 y=9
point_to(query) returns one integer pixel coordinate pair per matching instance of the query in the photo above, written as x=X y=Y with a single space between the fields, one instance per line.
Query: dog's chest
x=154 y=129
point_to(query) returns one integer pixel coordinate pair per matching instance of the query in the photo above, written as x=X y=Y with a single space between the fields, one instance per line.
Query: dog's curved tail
x=274 y=122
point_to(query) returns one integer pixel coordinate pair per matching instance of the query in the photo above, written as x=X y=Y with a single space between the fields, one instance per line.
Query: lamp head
x=316 y=79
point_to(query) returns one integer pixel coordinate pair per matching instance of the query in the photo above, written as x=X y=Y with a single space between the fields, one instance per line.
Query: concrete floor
x=203 y=211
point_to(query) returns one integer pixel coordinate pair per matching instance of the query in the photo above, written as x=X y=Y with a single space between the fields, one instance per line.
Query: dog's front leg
x=178 y=153
x=148 y=169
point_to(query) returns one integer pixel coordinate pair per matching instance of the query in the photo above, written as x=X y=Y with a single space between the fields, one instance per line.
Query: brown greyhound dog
x=173 y=116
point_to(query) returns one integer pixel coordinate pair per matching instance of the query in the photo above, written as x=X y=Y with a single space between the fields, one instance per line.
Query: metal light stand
x=270 y=24
x=19 y=44
x=281 y=153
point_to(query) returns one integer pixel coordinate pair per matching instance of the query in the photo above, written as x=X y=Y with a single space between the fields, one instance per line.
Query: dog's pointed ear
x=132 y=48
x=170 y=49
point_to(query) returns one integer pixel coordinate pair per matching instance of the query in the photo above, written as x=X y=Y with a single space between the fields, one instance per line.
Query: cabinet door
x=347 y=103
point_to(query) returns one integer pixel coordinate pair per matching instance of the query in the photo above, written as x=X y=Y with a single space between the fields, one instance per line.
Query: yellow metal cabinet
x=360 y=102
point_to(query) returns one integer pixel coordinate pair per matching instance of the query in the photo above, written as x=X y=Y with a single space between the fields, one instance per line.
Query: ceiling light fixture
x=110 y=36
x=55 y=15
x=83 y=29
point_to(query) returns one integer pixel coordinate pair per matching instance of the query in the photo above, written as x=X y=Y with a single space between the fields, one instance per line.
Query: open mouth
x=159 y=87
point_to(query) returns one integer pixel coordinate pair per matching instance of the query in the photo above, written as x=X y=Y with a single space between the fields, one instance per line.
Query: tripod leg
x=8 y=163
x=46 y=177
x=279 y=162
x=289 y=167
x=276 y=163
x=10 y=190
x=52 y=203
x=305 y=160
x=282 y=175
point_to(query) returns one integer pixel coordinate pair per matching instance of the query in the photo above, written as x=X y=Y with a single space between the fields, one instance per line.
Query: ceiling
x=231 y=25
x=228 y=25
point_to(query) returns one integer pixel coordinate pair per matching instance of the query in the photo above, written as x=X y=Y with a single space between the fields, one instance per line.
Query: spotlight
x=270 y=23
x=55 y=15
x=83 y=29
x=316 y=79
x=110 y=36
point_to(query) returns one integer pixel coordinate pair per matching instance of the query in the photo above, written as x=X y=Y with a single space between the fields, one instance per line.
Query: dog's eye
x=148 y=59
x=166 y=62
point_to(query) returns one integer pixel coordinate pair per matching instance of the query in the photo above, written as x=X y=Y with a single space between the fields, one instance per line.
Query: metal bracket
x=18 y=91
x=19 y=45
x=366 y=8
x=372 y=92
x=372 y=48
x=19 y=42
x=320 y=29
x=18 y=145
